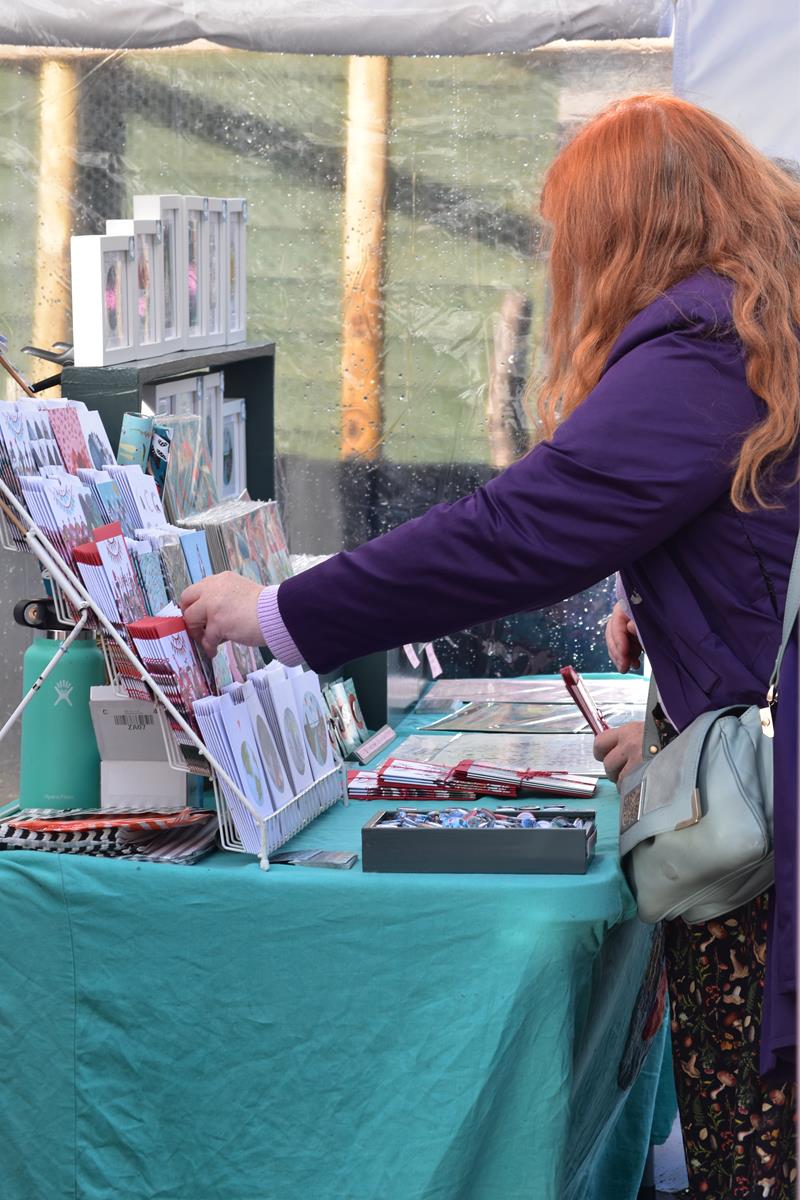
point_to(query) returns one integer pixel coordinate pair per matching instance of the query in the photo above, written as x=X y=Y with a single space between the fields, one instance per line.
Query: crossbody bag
x=696 y=816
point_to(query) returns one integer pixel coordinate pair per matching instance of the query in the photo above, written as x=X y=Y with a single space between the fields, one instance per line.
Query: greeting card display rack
x=75 y=608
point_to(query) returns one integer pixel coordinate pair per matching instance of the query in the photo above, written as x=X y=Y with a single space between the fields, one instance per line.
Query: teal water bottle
x=59 y=761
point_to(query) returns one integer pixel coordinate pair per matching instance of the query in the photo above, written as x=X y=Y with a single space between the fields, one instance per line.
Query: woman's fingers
x=634 y=645
x=617 y=638
x=223 y=608
x=604 y=743
x=622 y=640
x=619 y=749
x=194 y=614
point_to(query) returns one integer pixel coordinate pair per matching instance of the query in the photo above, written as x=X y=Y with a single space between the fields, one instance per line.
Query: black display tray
x=479 y=851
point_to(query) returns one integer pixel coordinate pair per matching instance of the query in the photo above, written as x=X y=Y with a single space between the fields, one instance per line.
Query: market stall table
x=216 y=1032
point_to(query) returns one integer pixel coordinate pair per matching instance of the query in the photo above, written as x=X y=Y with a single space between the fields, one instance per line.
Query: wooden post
x=366 y=175
x=58 y=127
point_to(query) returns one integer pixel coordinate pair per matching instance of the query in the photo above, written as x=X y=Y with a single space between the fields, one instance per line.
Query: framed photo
x=196 y=277
x=234 y=449
x=218 y=263
x=211 y=400
x=236 y=315
x=103 y=298
x=148 y=324
x=173 y=398
x=170 y=212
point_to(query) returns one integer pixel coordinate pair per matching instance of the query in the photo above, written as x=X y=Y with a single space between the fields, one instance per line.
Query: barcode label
x=139 y=721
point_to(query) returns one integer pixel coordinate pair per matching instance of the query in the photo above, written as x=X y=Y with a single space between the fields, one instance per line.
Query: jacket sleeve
x=650 y=448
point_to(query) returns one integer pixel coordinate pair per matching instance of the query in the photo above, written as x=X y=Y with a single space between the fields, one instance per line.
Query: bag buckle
x=765 y=714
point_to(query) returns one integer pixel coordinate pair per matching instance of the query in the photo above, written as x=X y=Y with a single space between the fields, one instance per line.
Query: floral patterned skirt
x=738 y=1130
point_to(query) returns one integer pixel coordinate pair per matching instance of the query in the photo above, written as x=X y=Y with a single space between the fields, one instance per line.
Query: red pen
x=580 y=694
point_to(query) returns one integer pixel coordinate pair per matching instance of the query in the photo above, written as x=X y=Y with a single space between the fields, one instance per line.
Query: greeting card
x=290 y=727
x=310 y=708
x=121 y=574
x=189 y=486
x=134 y=439
x=95 y=436
x=274 y=770
x=195 y=551
x=67 y=431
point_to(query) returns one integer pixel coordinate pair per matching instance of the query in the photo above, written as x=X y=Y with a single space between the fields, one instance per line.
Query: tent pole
x=58 y=129
x=366 y=178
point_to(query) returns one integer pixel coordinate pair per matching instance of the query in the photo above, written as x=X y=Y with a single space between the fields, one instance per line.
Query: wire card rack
x=185 y=750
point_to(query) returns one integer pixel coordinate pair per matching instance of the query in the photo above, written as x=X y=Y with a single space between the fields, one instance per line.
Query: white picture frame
x=218 y=268
x=148 y=322
x=211 y=402
x=173 y=397
x=196 y=277
x=169 y=210
x=236 y=308
x=233 y=478
x=103 y=298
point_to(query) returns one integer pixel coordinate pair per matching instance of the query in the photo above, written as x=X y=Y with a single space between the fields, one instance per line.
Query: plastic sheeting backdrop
x=467 y=142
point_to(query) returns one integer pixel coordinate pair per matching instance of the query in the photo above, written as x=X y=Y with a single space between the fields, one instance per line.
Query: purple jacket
x=636 y=480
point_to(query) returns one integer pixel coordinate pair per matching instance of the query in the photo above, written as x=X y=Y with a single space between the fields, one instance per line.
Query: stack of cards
x=245 y=536
x=63 y=508
x=90 y=568
x=169 y=654
x=108 y=498
x=227 y=730
x=347 y=720
x=140 y=497
x=271 y=735
x=189 y=485
x=120 y=573
x=49 y=438
x=406 y=779
x=489 y=779
x=180 y=837
x=147 y=564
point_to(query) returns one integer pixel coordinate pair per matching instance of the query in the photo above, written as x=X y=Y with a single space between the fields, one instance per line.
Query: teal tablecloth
x=220 y=1033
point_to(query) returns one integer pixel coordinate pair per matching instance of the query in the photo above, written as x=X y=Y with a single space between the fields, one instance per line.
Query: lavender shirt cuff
x=276 y=636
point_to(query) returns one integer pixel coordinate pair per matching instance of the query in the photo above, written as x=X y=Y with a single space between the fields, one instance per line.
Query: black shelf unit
x=249 y=374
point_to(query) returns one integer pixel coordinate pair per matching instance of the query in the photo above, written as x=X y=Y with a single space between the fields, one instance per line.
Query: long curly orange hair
x=647 y=193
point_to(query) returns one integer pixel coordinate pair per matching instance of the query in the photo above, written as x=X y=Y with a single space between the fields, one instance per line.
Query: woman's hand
x=622 y=640
x=620 y=749
x=223 y=608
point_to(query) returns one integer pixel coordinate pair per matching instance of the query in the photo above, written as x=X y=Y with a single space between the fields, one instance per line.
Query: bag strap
x=651 y=741
x=789 y=617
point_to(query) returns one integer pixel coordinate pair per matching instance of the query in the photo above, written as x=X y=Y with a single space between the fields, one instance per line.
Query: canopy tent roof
x=388 y=27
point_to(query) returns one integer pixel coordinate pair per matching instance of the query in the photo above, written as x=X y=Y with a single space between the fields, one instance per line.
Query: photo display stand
x=168 y=210
x=185 y=749
x=104 y=298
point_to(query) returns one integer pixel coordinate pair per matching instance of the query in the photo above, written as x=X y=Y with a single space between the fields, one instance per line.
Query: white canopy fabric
x=742 y=61
x=327 y=26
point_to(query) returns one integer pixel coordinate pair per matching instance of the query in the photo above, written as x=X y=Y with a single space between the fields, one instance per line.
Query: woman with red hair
x=671 y=414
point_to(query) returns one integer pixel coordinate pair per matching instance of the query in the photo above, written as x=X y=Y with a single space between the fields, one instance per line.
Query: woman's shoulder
x=699 y=307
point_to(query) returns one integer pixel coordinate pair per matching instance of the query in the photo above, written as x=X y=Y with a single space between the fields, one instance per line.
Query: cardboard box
x=134 y=771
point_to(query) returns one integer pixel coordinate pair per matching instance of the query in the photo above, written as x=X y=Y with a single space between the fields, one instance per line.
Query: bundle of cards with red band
x=488 y=779
x=169 y=654
x=369 y=785
x=407 y=779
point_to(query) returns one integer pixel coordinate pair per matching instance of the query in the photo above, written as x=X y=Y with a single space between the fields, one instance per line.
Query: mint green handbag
x=696 y=816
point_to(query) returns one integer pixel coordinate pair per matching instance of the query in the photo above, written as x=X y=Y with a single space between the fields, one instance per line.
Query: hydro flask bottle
x=59 y=761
